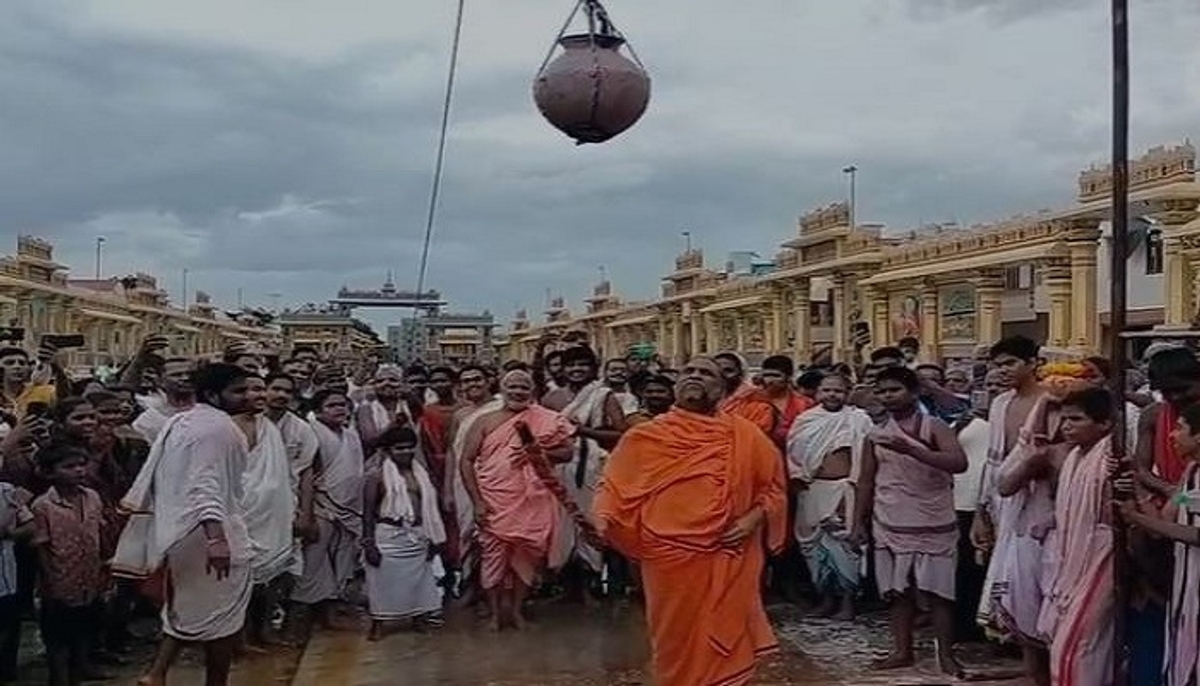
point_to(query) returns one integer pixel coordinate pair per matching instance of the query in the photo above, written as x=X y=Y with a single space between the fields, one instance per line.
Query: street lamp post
x=99 y=248
x=852 y=172
x=687 y=237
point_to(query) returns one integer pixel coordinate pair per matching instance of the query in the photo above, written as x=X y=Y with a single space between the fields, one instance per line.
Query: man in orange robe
x=741 y=397
x=687 y=496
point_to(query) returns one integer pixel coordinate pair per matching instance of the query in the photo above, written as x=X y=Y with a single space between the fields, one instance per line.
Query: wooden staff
x=541 y=465
x=1119 y=253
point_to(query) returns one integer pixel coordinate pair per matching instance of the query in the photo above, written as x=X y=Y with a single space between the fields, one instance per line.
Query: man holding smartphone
x=18 y=389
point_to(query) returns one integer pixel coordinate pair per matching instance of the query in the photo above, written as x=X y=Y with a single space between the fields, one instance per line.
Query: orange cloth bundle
x=1062 y=378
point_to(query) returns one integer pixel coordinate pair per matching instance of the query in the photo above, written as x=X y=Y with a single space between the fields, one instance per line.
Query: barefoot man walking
x=687 y=496
x=517 y=513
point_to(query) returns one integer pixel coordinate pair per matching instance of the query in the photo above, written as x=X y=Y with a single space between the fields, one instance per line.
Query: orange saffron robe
x=671 y=488
x=750 y=402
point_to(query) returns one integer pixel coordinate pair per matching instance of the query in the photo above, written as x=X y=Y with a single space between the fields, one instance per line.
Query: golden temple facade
x=114 y=315
x=837 y=290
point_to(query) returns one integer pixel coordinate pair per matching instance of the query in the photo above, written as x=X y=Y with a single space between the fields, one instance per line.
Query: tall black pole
x=1118 y=255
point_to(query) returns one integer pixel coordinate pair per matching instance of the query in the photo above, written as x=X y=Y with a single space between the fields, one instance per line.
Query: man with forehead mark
x=687 y=496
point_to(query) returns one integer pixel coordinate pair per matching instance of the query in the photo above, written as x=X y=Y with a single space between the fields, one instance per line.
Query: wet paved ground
x=566 y=646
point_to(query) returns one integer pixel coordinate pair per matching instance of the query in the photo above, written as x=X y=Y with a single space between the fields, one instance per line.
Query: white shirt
x=975 y=441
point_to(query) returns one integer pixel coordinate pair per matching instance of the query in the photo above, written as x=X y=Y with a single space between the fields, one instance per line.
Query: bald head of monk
x=700 y=386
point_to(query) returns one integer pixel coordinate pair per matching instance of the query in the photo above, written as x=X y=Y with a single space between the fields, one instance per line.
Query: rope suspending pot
x=592 y=92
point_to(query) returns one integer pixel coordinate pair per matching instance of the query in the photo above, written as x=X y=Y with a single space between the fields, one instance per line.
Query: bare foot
x=519 y=621
x=827 y=607
x=494 y=624
x=376 y=632
x=846 y=611
x=947 y=662
x=893 y=661
x=151 y=680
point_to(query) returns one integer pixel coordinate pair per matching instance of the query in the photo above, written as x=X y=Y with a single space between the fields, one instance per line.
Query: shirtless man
x=1015 y=510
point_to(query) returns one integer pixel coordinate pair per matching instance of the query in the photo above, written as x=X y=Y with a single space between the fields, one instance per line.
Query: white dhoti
x=329 y=564
x=199 y=606
x=821 y=531
x=404 y=585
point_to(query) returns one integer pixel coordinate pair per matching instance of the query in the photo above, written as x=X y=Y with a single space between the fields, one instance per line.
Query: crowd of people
x=248 y=501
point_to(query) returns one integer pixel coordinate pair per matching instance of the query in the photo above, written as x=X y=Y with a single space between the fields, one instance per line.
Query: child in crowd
x=1078 y=605
x=1179 y=521
x=402 y=533
x=67 y=520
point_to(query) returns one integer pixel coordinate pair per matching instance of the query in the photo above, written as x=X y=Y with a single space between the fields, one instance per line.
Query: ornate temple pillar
x=710 y=334
x=1179 y=299
x=1058 y=287
x=739 y=327
x=989 y=303
x=1179 y=296
x=1082 y=242
x=695 y=333
x=877 y=311
x=802 y=303
x=676 y=339
x=931 y=348
x=661 y=344
x=841 y=321
x=778 y=330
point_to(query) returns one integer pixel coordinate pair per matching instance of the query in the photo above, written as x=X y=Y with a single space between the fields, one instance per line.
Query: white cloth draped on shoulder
x=339 y=494
x=194 y=474
x=270 y=503
x=464 y=507
x=824 y=507
x=582 y=474
x=1016 y=577
x=330 y=562
x=398 y=506
x=405 y=584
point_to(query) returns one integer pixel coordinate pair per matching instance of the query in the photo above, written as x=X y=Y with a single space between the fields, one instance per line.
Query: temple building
x=113 y=315
x=837 y=290
x=331 y=331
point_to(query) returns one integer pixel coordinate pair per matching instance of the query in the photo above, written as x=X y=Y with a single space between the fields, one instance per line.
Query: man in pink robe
x=517 y=500
x=1077 y=614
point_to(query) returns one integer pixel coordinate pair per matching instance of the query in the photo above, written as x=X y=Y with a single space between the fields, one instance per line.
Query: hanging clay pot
x=592 y=92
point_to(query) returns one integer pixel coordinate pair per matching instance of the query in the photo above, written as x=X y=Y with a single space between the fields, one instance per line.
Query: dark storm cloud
x=1006 y=10
x=297 y=160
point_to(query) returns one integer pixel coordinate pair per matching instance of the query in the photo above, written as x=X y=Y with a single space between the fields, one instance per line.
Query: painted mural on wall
x=958 y=313
x=906 y=316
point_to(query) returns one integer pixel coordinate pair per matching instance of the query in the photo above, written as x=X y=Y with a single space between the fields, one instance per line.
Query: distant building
x=748 y=263
x=443 y=338
x=331 y=331
x=114 y=314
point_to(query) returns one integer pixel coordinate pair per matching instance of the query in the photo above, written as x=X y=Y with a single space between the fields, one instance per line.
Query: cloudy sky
x=286 y=146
